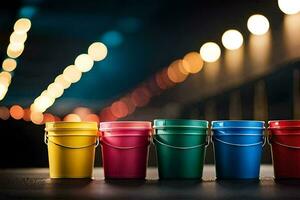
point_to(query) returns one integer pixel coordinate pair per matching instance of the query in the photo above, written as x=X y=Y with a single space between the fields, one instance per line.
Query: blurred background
x=157 y=59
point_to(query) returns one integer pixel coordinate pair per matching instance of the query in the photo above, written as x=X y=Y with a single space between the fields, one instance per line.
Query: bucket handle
x=46 y=141
x=122 y=148
x=284 y=145
x=183 y=148
x=241 y=145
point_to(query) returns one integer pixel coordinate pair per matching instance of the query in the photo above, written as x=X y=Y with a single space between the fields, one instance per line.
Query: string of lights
x=14 y=50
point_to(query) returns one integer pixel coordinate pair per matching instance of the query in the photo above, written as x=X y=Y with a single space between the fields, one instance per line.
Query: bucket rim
x=71 y=126
x=128 y=125
x=183 y=134
x=180 y=123
x=237 y=124
x=283 y=124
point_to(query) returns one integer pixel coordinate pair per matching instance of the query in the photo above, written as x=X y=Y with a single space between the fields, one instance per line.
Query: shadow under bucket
x=71 y=148
x=238 y=148
x=180 y=147
x=125 y=146
x=284 y=138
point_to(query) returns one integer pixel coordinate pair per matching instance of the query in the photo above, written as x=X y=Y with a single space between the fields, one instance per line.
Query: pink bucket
x=125 y=147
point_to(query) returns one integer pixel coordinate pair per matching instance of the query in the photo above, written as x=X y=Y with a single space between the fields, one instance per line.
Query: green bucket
x=180 y=147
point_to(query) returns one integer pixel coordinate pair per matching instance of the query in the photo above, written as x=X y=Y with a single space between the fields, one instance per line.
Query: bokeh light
x=5 y=78
x=41 y=103
x=140 y=97
x=48 y=118
x=14 y=50
x=258 y=24
x=210 y=52
x=4 y=113
x=130 y=105
x=27 y=113
x=192 y=62
x=72 y=74
x=97 y=51
x=62 y=81
x=92 y=118
x=84 y=62
x=112 y=38
x=3 y=90
x=9 y=64
x=153 y=87
x=119 y=109
x=289 y=7
x=22 y=25
x=72 y=118
x=18 y=37
x=232 y=39
x=16 y=112
x=82 y=112
x=37 y=117
x=174 y=72
x=55 y=90
x=106 y=115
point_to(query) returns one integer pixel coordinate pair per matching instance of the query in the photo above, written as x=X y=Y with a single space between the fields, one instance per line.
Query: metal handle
x=284 y=145
x=46 y=141
x=183 y=148
x=123 y=148
x=241 y=145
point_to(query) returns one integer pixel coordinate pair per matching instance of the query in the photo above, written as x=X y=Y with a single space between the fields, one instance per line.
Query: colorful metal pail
x=125 y=147
x=238 y=148
x=180 y=147
x=284 y=138
x=71 y=148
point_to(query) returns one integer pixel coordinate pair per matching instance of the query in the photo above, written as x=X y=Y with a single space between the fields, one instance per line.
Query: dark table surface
x=35 y=184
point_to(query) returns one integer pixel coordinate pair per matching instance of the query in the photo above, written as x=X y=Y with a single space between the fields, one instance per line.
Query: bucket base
x=236 y=179
x=181 y=178
x=66 y=177
x=125 y=178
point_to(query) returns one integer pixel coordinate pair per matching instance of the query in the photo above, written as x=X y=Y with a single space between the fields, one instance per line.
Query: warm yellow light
x=16 y=112
x=72 y=118
x=3 y=90
x=258 y=24
x=62 y=81
x=55 y=90
x=22 y=25
x=174 y=73
x=84 y=62
x=192 y=62
x=5 y=78
x=18 y=37
x=36 y=117
x=41 y=103
x=9 y=64
x=289 y=7
x=210 y=52
x=232 y=39
x=98 y=51
x=14 y=50
x=72 y=74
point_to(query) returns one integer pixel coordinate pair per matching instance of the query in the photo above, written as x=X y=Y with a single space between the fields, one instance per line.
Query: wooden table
x=35 y=184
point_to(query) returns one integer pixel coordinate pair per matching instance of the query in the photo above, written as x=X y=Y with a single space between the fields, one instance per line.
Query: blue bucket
x=238 y=148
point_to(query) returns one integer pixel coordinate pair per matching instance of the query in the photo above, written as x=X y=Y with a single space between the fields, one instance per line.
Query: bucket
x=125 y=146
x=180 y=147
x=284 y=138
x=71 y=148
x=238 y=148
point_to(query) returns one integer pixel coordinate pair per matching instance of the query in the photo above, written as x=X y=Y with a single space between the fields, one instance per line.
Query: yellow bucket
x=71 y=148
